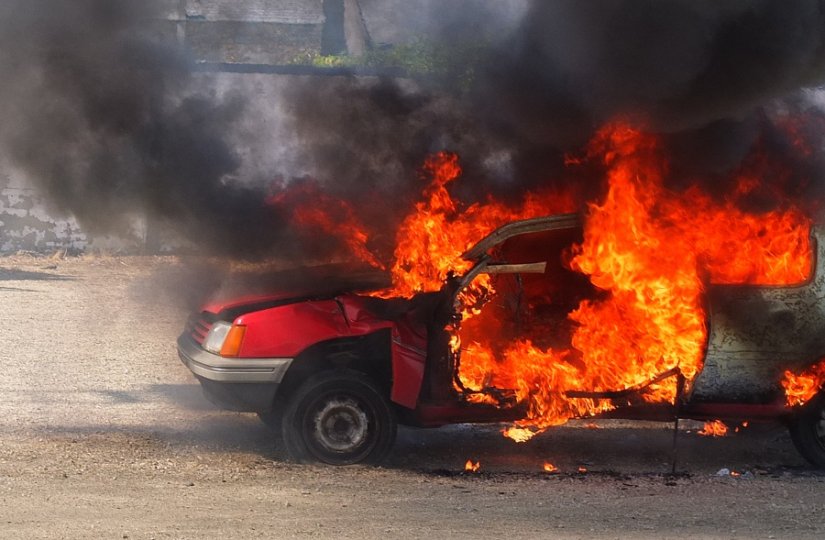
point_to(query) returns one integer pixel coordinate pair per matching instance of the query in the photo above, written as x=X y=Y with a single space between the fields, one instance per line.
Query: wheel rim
x=339 y=427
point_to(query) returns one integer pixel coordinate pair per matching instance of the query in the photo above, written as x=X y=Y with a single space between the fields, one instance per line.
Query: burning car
x=336 y=372
x=650 y=303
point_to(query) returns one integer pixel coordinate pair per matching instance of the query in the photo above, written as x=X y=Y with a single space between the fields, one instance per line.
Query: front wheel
x=807 y=429
x=338 y=417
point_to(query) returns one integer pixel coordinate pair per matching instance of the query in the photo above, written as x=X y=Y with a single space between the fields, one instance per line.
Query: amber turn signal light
x=232 y=344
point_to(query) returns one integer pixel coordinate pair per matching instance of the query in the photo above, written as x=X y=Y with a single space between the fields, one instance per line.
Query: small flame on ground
x=741 y=426
x=801 y=388
x=550 y=468
x=518 y=434
x=581 y=469
x=472 y=466
x=716 y=428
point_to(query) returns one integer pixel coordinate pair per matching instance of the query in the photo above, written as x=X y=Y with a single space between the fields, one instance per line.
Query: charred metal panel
x=755 y=333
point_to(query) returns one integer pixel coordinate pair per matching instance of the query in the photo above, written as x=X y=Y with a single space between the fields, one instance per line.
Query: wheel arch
x=370 y=354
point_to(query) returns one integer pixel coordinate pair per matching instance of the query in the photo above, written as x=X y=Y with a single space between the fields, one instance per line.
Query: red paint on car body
x=288 y=330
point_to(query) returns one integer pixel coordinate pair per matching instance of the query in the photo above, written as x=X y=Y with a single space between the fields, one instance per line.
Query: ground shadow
x=186 y=396
x=25 y=275
x=17 y=289
x=574 y=450
x=620 y=448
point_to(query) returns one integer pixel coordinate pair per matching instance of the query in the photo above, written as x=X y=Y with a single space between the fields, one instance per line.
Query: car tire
x=338 y=417
x=807 y=429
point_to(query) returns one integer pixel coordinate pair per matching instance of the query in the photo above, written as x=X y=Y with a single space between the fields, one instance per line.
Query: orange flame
x=518 y=434
x=472 y=466
x=433 y=237
x=312 y=208
x=649 y=248
x=716 y=428
x=550 y=468
x=346 y=228
x=801 y=388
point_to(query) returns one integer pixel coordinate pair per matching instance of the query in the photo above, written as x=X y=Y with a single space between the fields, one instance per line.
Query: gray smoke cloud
x=101 y=109
x=102 y=114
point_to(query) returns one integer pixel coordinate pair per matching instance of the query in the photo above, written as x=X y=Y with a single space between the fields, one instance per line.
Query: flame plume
x=648 y=248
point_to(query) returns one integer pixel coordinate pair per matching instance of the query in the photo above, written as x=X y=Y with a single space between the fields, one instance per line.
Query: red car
x=336 y=371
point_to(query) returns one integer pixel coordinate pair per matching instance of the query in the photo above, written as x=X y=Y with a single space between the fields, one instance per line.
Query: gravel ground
x=104 y=434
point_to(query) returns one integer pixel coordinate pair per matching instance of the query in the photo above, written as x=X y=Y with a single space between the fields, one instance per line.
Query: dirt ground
x=105 y=434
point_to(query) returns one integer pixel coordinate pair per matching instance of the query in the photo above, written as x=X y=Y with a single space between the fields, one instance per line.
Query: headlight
x=225 y=339
x=216 y=336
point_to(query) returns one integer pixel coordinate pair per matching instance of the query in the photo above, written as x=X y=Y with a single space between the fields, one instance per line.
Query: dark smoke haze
x=104 y=114
x=707 y=74
x=99 y=112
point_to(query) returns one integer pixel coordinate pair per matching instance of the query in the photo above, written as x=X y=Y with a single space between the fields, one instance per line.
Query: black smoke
x=674 y=66
x=709 y=76
x=100 y=108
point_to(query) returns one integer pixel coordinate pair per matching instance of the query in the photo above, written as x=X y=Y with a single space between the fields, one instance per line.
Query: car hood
x=243 y=292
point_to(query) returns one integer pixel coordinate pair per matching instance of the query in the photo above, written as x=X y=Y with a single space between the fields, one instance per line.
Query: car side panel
x=409 y=358
x=286 y=331
x=408 y=351
x=757 y=332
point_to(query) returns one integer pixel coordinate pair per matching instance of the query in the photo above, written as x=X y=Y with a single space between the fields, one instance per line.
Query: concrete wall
x=26 y=224
x=235 y=42
x=249 y=31
x=281 y=11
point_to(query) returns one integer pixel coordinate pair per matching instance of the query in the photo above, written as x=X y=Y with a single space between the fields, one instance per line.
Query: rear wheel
x=808 y=431
x=338 y=417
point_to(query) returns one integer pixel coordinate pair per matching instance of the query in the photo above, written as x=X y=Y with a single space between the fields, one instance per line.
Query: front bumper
x=211 y=366
x=238 y=384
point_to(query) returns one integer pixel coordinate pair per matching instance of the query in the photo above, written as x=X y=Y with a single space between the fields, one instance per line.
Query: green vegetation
x=452 y=64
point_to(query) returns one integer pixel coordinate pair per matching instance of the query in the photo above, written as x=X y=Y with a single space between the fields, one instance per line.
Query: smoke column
x=102 y=112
